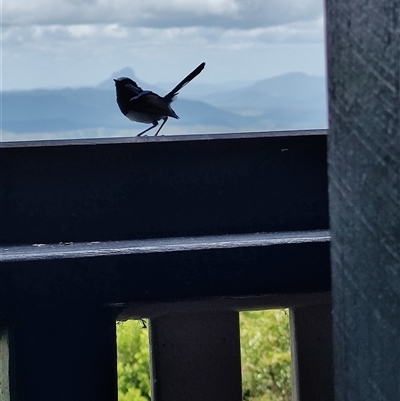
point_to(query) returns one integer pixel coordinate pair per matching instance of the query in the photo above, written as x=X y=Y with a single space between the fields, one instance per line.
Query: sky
x=71 y=43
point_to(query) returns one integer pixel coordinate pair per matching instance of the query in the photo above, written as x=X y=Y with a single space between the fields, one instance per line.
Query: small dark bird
x=146 y=106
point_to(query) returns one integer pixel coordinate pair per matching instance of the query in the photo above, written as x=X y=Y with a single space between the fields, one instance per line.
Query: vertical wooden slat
x=196 y=357
x=4 y=363
x=63 y=354
x=312 y=357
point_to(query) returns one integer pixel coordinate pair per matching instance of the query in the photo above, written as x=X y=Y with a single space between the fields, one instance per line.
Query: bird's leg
x=148 y=129
x=162 y=125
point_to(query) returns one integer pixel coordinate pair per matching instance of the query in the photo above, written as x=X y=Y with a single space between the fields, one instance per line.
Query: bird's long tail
x=169 y=96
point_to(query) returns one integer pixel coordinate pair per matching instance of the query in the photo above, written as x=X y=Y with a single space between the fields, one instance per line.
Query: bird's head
x=122 y=81
x=127 y=87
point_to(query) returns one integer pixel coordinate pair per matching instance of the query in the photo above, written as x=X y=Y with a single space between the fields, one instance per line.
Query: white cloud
x=80 y=42
x=246 y=14
x=309 y=32
x=51 y=34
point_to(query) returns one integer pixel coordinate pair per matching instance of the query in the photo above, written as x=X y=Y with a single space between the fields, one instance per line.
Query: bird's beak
x=114 y=80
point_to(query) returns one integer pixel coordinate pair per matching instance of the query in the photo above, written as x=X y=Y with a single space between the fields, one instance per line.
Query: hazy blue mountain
x=58 y=110
x=69 y=109
x=286 y=100
x=289 y=89
x=290 y=101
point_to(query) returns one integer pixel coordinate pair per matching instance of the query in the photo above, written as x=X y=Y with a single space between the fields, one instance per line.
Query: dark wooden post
x=196 y=357
x=62 y=354
x=364 y=173
x=311 y=346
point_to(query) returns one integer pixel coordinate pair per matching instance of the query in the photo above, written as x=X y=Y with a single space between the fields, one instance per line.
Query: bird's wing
x=142 y=93
x=150 y=103
x=134 y=90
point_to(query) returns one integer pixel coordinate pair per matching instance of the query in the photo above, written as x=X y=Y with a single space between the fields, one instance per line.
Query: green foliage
x=265 y=349
x=265 y=358
x=133 y=361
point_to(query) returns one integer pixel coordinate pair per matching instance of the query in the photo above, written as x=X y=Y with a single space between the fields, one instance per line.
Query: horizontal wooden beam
x=164 y=271
x=117 y=190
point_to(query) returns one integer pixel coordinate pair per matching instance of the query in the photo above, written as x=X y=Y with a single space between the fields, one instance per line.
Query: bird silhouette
x=147 y=107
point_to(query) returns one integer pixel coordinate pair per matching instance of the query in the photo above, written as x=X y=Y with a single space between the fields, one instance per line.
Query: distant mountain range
x=290 y=101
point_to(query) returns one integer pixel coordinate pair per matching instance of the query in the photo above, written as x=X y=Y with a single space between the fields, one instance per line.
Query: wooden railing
x=186 y=231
